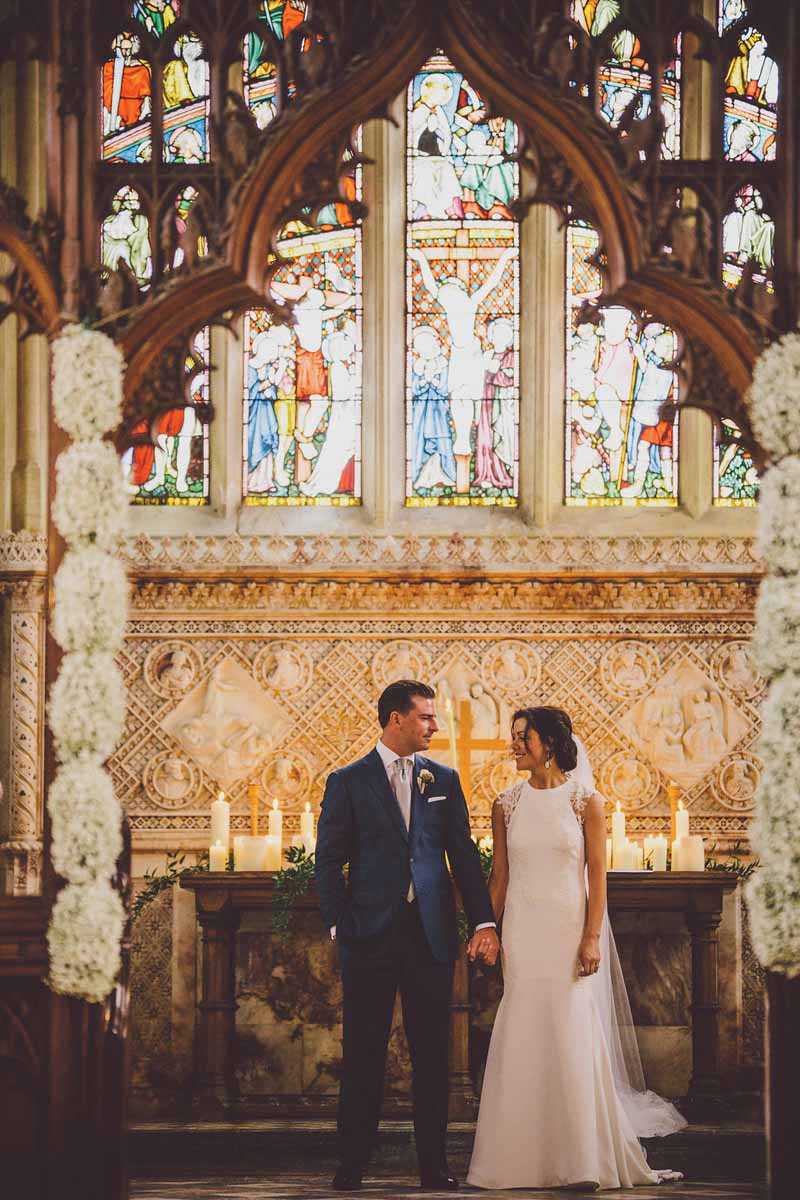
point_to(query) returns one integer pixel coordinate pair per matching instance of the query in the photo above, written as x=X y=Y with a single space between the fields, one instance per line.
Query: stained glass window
x=175 y=471
x=183 y=203
x=751 y=91
x=126 y=102
x=462 y=288
x=618 y=449
x=748 y=232
x=185 y=90
x=625 y=78
x=126 y=234
x=280 y=17
x=156 y=15
x=302 y=402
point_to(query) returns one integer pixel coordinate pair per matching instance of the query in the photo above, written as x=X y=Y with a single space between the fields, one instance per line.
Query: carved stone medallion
x=171 y=668
x=399 y=660
x=684 y=725
x=733 y=665
x=287 y=778
x=633 y=782
x=502 y=775
x=627 y=668
x=170 y=781
x=736 y=781
x=514 y=668
x=227 y=724
x=284 y=667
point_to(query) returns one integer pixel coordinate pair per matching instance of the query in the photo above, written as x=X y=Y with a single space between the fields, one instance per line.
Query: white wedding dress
x=563 y=1096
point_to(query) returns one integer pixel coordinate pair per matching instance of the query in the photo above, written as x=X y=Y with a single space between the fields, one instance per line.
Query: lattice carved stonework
x=322 y=649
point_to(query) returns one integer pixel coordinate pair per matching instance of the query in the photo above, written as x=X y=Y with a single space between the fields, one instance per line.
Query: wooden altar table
x=222 y=897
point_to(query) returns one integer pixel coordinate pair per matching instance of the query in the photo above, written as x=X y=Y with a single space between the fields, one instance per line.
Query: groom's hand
x=484 y=944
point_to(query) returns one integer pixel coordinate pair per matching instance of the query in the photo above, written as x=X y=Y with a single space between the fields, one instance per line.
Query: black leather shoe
x=347 y=1179
x=440 y=1181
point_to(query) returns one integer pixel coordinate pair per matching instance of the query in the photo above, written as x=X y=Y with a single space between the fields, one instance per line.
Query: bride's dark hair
x=555 y=729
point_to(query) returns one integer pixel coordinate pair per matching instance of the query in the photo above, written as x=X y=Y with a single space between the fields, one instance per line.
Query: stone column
x=23 y=809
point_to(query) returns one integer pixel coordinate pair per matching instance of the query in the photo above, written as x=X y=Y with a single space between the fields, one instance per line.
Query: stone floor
x=260 y=1186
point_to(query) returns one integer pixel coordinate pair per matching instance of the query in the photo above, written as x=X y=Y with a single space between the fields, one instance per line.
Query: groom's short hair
x=399 y=696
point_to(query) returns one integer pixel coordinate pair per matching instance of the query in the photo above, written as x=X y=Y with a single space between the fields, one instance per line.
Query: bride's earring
x=547 y=762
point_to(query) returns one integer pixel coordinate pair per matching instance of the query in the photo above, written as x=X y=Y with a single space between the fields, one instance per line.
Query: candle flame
x=448 y=704
x=619 y=807
x=275 y=803
x=222 y=796
x=680 y=805
x=217 y=844
x=308 y=806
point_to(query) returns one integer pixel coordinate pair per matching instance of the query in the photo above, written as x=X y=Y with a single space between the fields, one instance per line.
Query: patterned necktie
x=402 y=791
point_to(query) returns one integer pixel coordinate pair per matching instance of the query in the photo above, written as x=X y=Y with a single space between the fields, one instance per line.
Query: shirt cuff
x=333 y=933
x=486 y=925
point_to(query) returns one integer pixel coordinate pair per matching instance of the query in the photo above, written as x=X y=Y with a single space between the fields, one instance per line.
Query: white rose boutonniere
x=424 y=779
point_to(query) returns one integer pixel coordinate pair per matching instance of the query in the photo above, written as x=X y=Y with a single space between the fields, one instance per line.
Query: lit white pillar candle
x=618 y=838
x=681 y=821
x=307 y=824
x=248 y=852
x=659 y=852
x=693 y=853
x=217 y=857
x=275 y=821
x=221 y=821
x=273 y=857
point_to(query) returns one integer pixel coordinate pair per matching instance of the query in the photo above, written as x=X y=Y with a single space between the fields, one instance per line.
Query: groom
x=392 y=816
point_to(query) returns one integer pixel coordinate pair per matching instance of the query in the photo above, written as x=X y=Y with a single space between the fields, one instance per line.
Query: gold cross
x=465 y=745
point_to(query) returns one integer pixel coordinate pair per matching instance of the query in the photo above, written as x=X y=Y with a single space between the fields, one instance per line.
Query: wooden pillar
x=783 y=1072
x=705 y=1087
x=216 y=1082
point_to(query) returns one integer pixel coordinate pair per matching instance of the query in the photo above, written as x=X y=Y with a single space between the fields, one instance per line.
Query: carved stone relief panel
x=278 y=682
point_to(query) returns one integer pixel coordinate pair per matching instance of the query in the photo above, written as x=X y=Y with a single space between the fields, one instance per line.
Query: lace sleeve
x=509 y=800
x=579 y=799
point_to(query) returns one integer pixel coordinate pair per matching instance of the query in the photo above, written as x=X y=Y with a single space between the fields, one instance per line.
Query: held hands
x=589 y=954
x=484 y=944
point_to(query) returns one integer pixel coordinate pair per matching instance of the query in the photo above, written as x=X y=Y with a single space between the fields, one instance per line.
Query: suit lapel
x=417 y=799
x=379 y=782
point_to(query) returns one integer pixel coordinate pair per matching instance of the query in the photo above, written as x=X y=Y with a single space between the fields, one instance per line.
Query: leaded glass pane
x=125 y=234
x=156 y=15
x=618 y=449
x=280 y=17
x=186 y=102
x=751 y=91
x=302 y=402
x=462 y=290
x=126 y=102
x=175 y=471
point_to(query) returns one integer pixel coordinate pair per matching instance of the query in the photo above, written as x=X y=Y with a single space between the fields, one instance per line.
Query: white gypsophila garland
x=87 y=701
x=91 y=601
x=84 y=816
x=778 y=526
x=87 y=382
x=776 y=638
x=86 y=926
x=774 y=396
x=91 y=502
x=87 y=706
x=773 y=893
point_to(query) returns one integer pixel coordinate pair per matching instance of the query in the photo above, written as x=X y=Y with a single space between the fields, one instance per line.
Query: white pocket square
x=433 y=799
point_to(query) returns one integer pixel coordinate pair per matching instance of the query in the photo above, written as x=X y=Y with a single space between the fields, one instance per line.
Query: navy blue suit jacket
x=361 y=824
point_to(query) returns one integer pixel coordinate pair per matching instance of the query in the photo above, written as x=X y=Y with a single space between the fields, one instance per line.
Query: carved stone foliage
x=496 y=645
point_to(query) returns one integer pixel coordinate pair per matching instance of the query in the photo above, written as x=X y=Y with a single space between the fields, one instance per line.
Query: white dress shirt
x=401 y=780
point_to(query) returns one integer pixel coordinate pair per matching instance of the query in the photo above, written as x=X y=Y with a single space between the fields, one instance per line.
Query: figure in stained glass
x=495 y=436
x=751 y=91
x=156 y=15
x=174 y=471
x=126 y=88
x=260 y=73
x=334 y=470
x=185 y=92
x=126 y=234
x=433 y=463
x=747 y=232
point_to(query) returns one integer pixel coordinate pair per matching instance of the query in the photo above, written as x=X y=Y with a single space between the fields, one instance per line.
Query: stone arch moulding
x=29 y=287
x=581 y=163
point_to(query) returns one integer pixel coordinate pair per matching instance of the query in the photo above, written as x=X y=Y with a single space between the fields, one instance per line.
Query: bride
x=563 y=1099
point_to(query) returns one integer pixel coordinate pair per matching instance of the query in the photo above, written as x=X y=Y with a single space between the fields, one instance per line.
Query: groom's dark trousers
x=387 y=944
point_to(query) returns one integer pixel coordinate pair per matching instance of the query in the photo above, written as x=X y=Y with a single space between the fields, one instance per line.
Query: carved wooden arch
x=597 y=174
x=31 y=284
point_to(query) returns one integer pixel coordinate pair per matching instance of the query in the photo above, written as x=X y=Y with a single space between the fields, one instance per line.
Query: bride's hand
x=589 y=954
